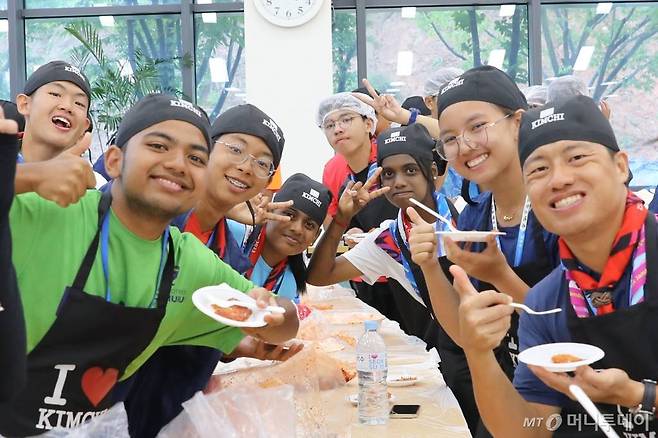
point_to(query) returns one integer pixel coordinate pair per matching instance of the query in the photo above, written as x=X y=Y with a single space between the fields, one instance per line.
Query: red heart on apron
x=96 y=383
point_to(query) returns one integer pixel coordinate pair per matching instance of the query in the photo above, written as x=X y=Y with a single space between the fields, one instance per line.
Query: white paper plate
x=469 y=236
x=541 y=355
x=398 y=380
x=354 y=398
x=206 y=296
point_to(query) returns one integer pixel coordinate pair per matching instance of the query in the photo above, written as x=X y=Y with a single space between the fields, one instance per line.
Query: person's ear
x=516 y=121
x=434 y=171
x=621 y=165
x=23 y=103
x=429 y=101
x=114 y=157
x=369 y=125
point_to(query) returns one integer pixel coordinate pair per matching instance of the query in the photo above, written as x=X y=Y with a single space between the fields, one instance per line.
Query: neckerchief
x=214 y=239
x=372 y=166
x=275 y=277
x=387 y=241
x=629 y=242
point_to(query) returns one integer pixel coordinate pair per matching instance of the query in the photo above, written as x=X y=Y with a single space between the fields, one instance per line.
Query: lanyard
x=520 y=240
x=371 y=171
x=398 y=224
x=105 y=238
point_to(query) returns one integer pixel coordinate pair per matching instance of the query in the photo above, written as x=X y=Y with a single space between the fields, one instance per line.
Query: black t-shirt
x=12 y=325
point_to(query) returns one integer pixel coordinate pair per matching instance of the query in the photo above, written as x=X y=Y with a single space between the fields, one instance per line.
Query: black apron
x=73 y=369
x=629 y=337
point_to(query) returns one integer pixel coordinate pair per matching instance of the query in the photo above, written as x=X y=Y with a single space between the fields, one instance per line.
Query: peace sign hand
x=357 y=195
x=384 y=104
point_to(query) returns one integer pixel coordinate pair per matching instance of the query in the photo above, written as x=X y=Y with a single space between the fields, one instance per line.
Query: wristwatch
x=648 y=404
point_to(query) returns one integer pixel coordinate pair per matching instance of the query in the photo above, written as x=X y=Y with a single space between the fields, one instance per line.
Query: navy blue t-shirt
x=550 y=293
x=653 y=207
x=477 y=216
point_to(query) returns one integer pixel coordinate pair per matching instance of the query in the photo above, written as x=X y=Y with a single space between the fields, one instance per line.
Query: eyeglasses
x=263 y=167
x=472 y=137
x=343 y=123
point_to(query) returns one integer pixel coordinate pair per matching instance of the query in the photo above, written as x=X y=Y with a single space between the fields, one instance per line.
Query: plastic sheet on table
x=316 y=293
x=311 y=372
x=241 y=411
x=112 y=424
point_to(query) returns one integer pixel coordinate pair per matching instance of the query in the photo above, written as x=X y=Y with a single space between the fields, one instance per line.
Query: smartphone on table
x=404 y=411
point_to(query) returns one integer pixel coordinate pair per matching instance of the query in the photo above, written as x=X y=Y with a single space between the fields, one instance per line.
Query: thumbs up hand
x=422 y=240
x=484 y=317
x=65 y=178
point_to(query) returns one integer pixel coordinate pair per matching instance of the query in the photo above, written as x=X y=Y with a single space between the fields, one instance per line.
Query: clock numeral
x=288 y=13
x=300 y=10
x=276 y=10
x=268 y=2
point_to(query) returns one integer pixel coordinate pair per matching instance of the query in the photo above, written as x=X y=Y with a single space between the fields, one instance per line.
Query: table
x=439 y=415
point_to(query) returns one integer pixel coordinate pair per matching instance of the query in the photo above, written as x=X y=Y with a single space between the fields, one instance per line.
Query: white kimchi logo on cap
x=74 y=70
x=547 y=116
x=275 y=129
x=395 y=136
x=313 y=197
x=453 y=83
x=187 y=105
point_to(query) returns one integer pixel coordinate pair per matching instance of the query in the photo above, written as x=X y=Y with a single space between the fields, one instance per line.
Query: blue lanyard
x=371 y=171
x=397 y=225
x=520 y=240
x=105 y=238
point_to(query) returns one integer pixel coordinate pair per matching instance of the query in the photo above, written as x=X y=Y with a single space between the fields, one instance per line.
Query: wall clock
x=288 y=13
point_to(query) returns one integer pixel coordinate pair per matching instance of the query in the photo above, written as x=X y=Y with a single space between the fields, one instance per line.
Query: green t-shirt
x=49 y=243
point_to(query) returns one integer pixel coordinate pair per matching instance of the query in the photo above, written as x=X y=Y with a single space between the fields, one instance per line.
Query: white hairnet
x=440 y=77
x=536 y=94
x=345 y=101
x=565 y=87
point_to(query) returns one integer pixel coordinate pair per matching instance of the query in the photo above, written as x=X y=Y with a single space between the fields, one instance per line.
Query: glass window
x=344 y=50
x=612 y=48
x=140 y=54
x=4 y=61
x=37 y=4
x=3 y=4
x=220 y=74
x=428 y=38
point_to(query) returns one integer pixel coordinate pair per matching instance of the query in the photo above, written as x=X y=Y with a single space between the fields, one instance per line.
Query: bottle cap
x=371 y=325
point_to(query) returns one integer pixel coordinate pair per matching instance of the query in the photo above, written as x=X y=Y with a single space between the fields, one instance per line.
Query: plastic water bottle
x=371 y=367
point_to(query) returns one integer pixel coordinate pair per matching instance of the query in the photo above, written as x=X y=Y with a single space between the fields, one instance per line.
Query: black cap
x=248 y=119
x=484 y=84
x=57 y=71
x=308 y=196
x=364 y=90
x=412 y=140
x=416 y=102
x=11 y=112
x=156 y=108
x=576 y=119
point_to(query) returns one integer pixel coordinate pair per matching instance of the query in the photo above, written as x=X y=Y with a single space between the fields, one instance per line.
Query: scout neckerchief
x=372 y=165
x=629 y=242
x=275 y=277
x=520 y=240
x=105 y=258
x=387 y=241
x=214 y=239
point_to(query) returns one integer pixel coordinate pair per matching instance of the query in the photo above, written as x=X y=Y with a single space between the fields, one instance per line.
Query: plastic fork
x=591 y=409
x=251 y=306
x=433 y=213
x=534 y=312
